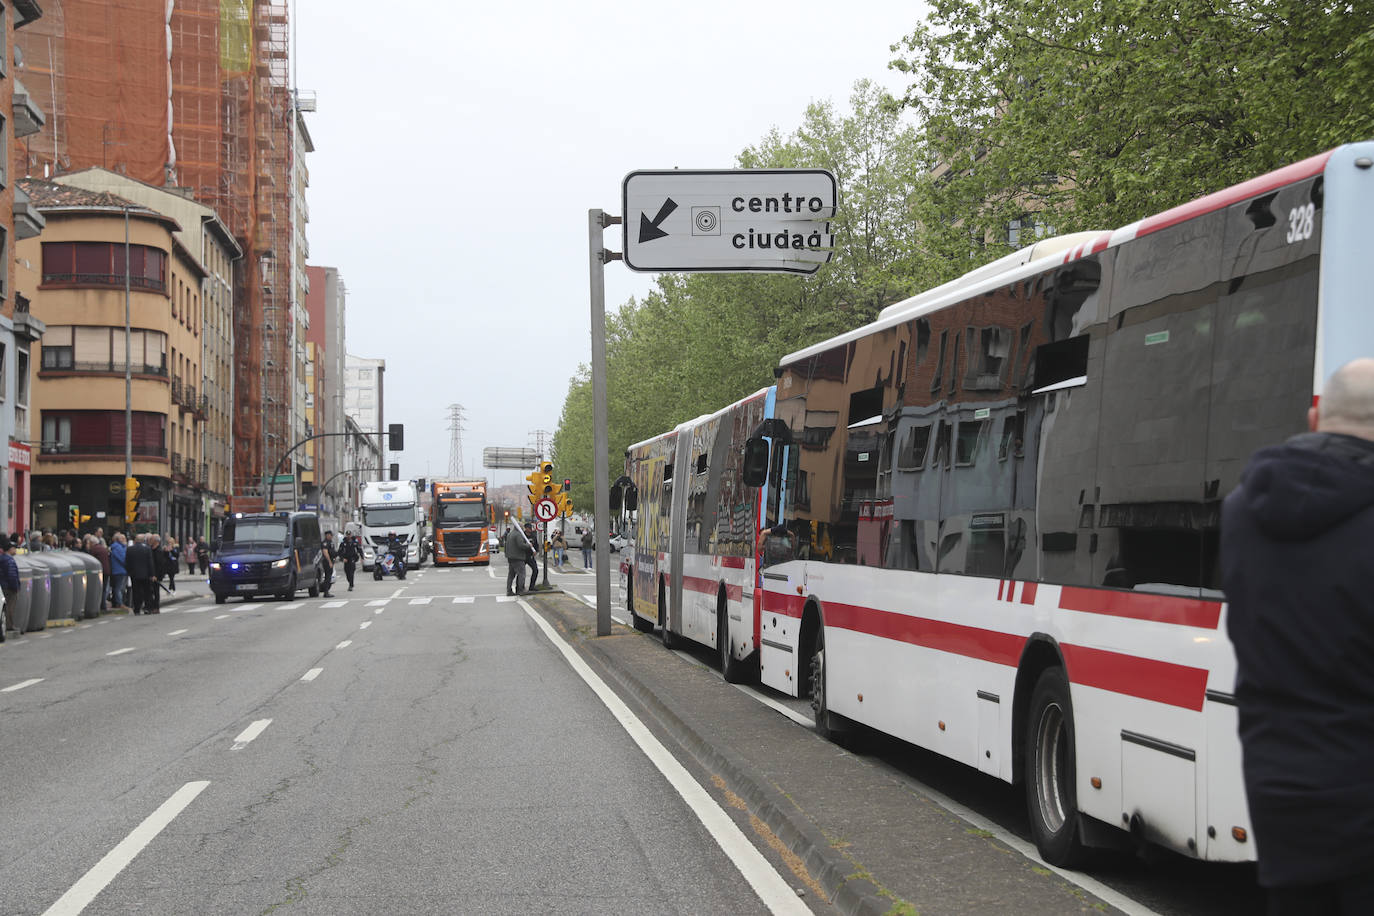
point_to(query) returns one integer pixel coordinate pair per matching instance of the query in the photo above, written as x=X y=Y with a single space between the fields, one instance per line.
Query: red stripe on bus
x=1243 y=191
x=708 y=587
x=1028 y=592
x=783 y=603
x=973 y=642
x=1146 y=678
x=1187 y=612
x=1001 y=585
x=732 y=562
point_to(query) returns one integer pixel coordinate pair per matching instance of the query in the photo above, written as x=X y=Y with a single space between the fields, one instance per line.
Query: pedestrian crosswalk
x=335 y=604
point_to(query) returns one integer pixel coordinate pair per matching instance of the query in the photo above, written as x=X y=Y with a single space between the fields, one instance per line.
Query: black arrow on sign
x=648 y=230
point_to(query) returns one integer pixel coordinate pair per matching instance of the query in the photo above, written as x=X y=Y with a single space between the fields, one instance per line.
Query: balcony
x=28 y=117
x=108 y=281
x=111 y=450
x=28 y=222
x=65 y=367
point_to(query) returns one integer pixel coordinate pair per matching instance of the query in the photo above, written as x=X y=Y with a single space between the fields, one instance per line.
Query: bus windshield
x=462 y=513
x=388 y=516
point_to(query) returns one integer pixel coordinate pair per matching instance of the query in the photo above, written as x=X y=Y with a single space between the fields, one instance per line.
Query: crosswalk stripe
x=463 y=599
x=335 y=603
x=289 y=607
x=379 y=602
x=421 y=600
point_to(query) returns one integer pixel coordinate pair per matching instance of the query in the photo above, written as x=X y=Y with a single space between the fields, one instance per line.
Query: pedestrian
x=138 y=560
x=119 y=576
x=9 y=584
x=516 y=548
x=560 y=546
x=96 y=548
x=587 y=545
x=327 y=557
x=171 y=561
x=1296 y=564
x=190 y=554
x=203 y=556
x=350 y=553
x=532 y=558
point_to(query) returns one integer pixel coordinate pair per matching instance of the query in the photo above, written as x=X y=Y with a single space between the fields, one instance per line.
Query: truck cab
x=387 y=507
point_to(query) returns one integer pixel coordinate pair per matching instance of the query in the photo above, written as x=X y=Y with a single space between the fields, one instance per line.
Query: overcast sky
x=459 y=146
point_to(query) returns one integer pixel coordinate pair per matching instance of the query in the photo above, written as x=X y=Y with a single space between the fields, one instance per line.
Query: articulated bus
x=990 y=518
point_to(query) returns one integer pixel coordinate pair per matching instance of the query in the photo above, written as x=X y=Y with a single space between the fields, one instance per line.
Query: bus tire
x=1051 y=771
x=829 y=725
x=670 y=639
x=731 y=668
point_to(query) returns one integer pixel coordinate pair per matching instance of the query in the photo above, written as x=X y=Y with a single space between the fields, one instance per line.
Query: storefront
x=21 y=462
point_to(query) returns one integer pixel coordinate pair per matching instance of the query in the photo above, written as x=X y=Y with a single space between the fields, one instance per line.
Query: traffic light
x=131 y=489
x=541 y=483
x=74 y=514
x=396 y=432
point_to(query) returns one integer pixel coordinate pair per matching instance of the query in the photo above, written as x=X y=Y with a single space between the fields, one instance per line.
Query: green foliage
x=1100 y=112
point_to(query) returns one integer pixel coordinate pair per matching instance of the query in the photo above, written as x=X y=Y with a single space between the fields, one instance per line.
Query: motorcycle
x=387 y=564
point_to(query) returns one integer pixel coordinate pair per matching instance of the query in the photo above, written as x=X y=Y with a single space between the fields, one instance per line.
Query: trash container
x=63 y=576
x=40 y=601
x=95 y=583
x=22 y=608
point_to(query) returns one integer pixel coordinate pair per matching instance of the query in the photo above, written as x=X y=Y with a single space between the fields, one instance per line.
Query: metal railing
x=114 y=281
x=110 y=449
x=112 y=366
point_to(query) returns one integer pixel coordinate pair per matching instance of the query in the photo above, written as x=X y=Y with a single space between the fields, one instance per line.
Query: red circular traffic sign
x=546 y=510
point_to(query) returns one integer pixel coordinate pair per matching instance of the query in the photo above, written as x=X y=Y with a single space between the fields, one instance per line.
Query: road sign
x=511 y=458
x=774 y=220
x=546 y=510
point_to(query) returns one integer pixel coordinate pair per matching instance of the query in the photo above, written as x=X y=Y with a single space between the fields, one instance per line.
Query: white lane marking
x=379 y=610
x=121 y=651
x=250 y=733
x=177 y=632
x=421 y=600
x=335 y=603
x=83 y=626
x=345 y=644
x=79 y=896
x=803 y=720
x=45 y=636
x=491 y=572
x=397 y=593
x=290 y=607
x=311 y=674
x=100 y=622
x=775 y=893
x=590 y=601
x=365 y=624
x=502 y=599
x=21 y=685
x=191 y=610
x=463 y=599
x=221 y=616
x=379 y=602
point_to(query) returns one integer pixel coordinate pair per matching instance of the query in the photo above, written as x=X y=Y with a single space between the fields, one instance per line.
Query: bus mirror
x=631 y=498
x=755 y=461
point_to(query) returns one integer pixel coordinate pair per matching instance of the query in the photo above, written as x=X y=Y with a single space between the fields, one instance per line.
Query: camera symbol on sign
x=706 y=221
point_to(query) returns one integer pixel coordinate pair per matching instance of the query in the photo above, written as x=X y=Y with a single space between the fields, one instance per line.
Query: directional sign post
x=774 y=220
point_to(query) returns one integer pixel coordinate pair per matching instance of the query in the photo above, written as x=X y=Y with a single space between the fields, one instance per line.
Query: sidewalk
x=853 y=834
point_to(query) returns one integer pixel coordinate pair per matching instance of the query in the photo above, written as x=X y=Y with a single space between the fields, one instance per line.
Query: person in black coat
x=1297 y=563
x=142 y=568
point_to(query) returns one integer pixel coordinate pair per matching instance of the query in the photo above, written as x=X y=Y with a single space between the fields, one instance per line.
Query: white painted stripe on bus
x=89 y=886
x=776 y=893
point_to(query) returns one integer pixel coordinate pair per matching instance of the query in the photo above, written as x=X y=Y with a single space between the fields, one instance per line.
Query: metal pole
x=597 y=220
x=128 y=366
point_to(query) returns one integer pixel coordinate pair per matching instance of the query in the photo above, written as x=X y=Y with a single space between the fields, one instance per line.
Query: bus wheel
x=828 y=724
x=1051 y=793
x=642 y=624
x=731 y=668
x=670 y=639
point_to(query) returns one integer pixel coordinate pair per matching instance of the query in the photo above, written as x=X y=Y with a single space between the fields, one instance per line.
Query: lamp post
x=128 y=364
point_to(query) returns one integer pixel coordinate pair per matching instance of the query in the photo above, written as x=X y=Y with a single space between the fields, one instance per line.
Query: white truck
x=390 y=507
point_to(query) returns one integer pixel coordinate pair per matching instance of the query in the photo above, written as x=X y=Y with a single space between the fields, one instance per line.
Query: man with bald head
x=1297 y=563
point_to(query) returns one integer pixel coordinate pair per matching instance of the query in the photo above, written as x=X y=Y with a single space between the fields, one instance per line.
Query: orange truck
x=460 y=521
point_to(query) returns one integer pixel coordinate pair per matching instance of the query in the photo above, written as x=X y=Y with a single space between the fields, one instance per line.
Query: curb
x=851 y=895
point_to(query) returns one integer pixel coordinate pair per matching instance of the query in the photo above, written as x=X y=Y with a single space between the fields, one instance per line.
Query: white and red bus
x=991 y=517
x=690 y=566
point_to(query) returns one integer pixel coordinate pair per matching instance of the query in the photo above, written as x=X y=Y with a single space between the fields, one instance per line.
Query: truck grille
x=462 y=543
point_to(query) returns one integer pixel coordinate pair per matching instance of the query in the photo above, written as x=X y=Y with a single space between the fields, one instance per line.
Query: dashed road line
x=365 y=624
x=311 y=674
x=421 y=600
x=463 y=599
x=178 y=632
x=121 y=651
x=379 y=602
x=221 y=616
x=21 y=685
x=334 y=603
x=250 y=733
x=291 y=606
x=345 y=644
x=89 y=886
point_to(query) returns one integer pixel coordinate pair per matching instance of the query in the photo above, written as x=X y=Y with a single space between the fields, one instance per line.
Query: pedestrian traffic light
x=74 y=513
x=396 y=432
x=131 y=490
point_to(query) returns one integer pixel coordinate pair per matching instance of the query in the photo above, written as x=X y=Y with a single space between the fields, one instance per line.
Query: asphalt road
x=408 y=747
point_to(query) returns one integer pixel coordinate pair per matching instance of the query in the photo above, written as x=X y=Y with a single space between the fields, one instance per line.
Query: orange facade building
x=195 y=95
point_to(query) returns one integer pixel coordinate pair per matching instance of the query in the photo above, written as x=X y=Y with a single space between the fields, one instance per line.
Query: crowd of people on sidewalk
x=136 y=572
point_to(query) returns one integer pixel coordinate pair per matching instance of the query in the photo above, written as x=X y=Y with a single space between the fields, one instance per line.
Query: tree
x=1095 y=114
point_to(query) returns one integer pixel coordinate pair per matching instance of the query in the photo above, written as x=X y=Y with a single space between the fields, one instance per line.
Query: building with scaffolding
x=197 y=94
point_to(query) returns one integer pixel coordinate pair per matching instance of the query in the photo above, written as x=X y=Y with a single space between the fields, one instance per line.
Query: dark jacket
x=9 y=573
x=102 y=553
x=514 y=546
x=138 y=560
x=1297 y=558
x=349 y=551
